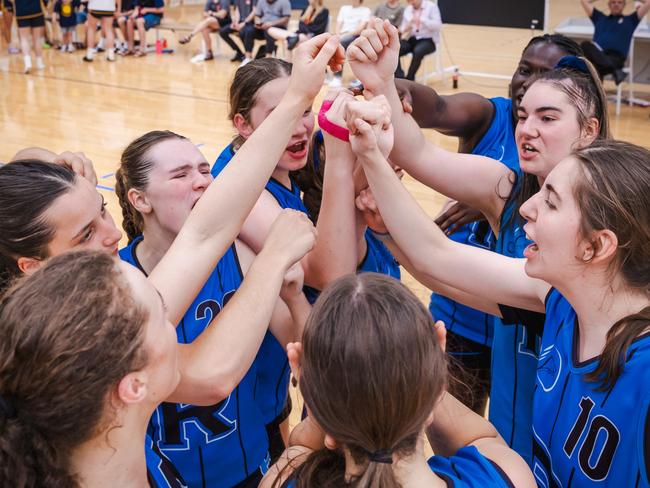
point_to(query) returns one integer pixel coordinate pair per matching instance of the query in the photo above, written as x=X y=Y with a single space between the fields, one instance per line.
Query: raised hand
x=455 y=215
x=371 y=133
x=365 y=203
x=310 y=60
x=374 y=54
x=291 y=236
x=79 y=163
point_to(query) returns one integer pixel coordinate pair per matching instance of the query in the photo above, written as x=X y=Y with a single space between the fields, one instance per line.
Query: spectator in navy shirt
x=612 y=35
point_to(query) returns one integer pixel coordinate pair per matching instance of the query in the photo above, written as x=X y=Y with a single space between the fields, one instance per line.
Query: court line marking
x=120 y=87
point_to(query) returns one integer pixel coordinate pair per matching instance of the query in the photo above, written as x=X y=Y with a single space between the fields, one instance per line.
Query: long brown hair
x=70 y=332
x=135 y=166
x=586 y=94
x=247 y=82
x=372 y=371
x=614 y=194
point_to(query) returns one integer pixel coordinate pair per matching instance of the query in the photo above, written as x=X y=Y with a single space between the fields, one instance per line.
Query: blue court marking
x=106 y=176
x=102 y=187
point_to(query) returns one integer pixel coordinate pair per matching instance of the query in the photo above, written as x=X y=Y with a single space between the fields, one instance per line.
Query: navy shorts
x=38 y=21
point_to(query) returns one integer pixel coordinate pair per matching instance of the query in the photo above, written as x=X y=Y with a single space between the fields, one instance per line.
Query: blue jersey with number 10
x=499 y=144
x=582 y=436
x=223 y=444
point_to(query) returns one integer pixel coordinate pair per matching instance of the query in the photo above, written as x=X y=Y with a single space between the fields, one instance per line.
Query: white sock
x=28 y=62
x=110 y=54
x=89 y=53
x=39 y=63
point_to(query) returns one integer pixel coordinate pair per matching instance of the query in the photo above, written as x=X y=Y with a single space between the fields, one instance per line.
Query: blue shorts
x=82 y=17
x=151 y=20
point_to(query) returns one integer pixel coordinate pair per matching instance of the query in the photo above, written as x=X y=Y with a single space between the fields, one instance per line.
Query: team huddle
x=167 y=363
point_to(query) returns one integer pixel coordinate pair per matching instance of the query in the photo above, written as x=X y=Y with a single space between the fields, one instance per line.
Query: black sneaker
x=292 y=42
x=208 y=56
x=87 y=59
x=619 y=76
x=237 y=58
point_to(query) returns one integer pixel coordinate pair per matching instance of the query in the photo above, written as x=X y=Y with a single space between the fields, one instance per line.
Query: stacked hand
x=371 y=133
x=292 y=235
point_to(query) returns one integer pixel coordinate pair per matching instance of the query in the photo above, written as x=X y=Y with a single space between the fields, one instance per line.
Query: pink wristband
x=330 y=127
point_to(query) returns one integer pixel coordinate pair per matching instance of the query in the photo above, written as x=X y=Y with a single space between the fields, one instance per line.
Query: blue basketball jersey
x=498 y=143
x=582 y=436
x=515 y=349
x=378 y=258
x=161 y=473
x=222 y=444
x=468 y=468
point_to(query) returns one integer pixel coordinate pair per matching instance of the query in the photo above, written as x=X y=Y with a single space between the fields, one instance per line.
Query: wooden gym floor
x=98 y=108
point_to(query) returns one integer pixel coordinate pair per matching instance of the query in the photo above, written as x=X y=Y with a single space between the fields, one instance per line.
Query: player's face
x=160 y=341
x=268 y=97
x=616 y=6
x=547 y=129
x=179 y=176
x=82 y=221
x=554 y=227
x=538 y=58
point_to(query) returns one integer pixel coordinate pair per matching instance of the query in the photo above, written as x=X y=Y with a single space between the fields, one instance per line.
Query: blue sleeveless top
x=515 y=349
x=498 y=143
x=222 y=444
x=468 y=468
x=582 y=436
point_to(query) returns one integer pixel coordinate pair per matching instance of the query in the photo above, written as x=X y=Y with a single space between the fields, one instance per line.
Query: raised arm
x=465 y=115
x=475 y=180
x=587 y=7
x=643 y=9
x=218 y=216
x=471 y=270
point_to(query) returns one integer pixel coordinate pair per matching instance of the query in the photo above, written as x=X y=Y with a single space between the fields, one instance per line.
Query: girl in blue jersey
x=255 y=90
x=562 y=109
x=81 y=371
x=484 y=126
x=220 y=442
x=372 y=389
x=587 y=268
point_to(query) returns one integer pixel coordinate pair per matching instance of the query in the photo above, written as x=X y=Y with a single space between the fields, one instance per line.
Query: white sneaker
x=40 y=64
x=71 y=48
x=335 y=82
x=245 y=62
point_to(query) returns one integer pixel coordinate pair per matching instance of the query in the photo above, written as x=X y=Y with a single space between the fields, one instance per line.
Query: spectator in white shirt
x=420 y=32
x=352 y=19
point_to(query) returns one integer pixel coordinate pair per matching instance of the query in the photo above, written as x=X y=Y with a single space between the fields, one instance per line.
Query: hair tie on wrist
x=383 y=456
x=7 y=410
x=330 y=127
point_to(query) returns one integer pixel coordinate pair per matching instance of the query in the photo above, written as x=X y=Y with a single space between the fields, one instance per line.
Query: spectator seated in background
x=268 y=13
x=122 y=20
x=216 y=15
x=313 y=22
x=420 y=32
x=352 y=19
x=147 y=14
x=245 y=14
x=612 y=36
x=392 y=11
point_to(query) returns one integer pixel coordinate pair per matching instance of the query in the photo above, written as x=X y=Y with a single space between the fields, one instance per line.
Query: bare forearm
x=335 y=252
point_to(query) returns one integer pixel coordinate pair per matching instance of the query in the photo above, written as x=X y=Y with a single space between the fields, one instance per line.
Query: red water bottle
x=159 y=46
